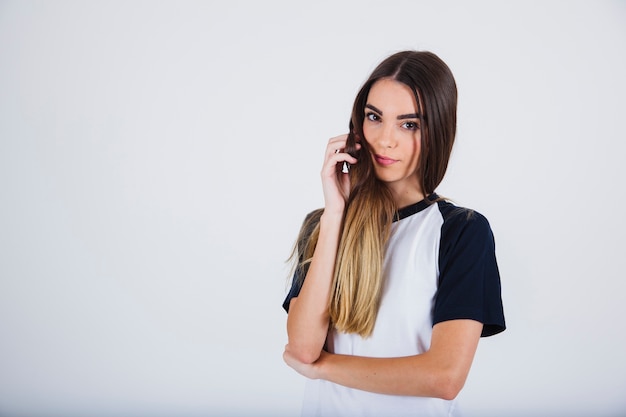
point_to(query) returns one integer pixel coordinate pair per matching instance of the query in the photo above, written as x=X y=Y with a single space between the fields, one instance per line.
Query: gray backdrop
x=157 y=158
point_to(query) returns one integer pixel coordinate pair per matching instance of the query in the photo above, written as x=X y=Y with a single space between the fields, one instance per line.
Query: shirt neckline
x=410 y=210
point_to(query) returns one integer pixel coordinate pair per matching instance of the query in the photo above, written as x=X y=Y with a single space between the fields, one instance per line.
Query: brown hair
x=435 y=92
x=370 y=210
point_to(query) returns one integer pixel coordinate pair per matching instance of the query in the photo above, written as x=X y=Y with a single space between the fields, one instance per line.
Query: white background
x=157 y=158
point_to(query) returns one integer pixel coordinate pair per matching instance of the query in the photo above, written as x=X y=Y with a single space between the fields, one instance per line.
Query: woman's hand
x=336 y=184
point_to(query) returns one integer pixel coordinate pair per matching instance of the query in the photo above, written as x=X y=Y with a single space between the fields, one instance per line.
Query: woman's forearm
x=307 y=322
x=440 y=372
x=412 y=375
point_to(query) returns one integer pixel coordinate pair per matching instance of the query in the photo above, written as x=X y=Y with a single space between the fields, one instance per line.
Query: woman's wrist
x=331 y=217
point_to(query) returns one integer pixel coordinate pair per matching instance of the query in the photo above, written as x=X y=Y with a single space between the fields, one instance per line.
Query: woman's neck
x=406 y=196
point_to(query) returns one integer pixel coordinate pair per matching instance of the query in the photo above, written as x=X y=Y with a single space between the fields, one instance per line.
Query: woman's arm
x=307 y=322
x=308 y=319
x=440 y=372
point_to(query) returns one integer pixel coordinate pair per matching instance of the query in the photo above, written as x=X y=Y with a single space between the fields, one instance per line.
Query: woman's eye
x=411 y=125
x=372 y=117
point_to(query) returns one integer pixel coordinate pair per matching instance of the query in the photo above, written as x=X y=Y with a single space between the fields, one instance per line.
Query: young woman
x=393 y=285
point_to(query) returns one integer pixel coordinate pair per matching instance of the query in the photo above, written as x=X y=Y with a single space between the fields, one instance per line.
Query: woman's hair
x=357 y=283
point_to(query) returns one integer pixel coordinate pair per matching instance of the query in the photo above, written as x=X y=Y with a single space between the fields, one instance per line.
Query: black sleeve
x=310 y=223
x=469 y=280
x=296 y=286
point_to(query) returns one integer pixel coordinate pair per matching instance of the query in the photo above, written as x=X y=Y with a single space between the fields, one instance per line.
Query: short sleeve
x=294 y=291
x=469 y=280
x=310 y=223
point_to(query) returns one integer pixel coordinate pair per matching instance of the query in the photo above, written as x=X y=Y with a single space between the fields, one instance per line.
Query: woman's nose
x=387 y=137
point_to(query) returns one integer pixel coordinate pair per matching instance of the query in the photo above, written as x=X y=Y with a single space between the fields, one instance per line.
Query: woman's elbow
x=448 y=386
x=450 y=392
x=303 y=355
x=308 y=357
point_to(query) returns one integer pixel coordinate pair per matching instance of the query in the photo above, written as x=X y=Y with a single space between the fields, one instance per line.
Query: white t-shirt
x=439 y=265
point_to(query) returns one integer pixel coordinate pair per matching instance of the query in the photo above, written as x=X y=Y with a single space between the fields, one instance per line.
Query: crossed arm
x=440 y=372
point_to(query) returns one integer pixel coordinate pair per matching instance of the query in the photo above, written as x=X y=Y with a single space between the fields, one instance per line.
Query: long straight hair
x=370 y=210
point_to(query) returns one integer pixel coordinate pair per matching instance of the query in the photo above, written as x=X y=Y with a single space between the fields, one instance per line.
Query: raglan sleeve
x=310 y=222
x=294 y=291
x=469 y=284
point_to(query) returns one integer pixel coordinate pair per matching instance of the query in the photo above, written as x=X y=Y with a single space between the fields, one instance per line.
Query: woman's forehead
x=392 y=96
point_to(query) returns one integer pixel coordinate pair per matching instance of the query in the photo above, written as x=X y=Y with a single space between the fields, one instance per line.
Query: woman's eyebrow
x=401 y=117
x=369 y=106
x=409 y=116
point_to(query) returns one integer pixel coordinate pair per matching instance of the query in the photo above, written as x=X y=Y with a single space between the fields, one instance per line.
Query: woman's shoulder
x=459 y=220
x=451 y=212
x=311 y=220
x=313 y=216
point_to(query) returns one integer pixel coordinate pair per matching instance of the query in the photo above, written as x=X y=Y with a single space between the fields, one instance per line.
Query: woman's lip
x=384 y=160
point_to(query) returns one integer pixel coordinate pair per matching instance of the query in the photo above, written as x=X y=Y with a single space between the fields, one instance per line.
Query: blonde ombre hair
x=370 y=210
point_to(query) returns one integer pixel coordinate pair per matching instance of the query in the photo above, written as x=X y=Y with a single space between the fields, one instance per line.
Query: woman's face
x=392 y=130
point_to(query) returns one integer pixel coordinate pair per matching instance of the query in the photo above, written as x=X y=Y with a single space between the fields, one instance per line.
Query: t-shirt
x=439 y=265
